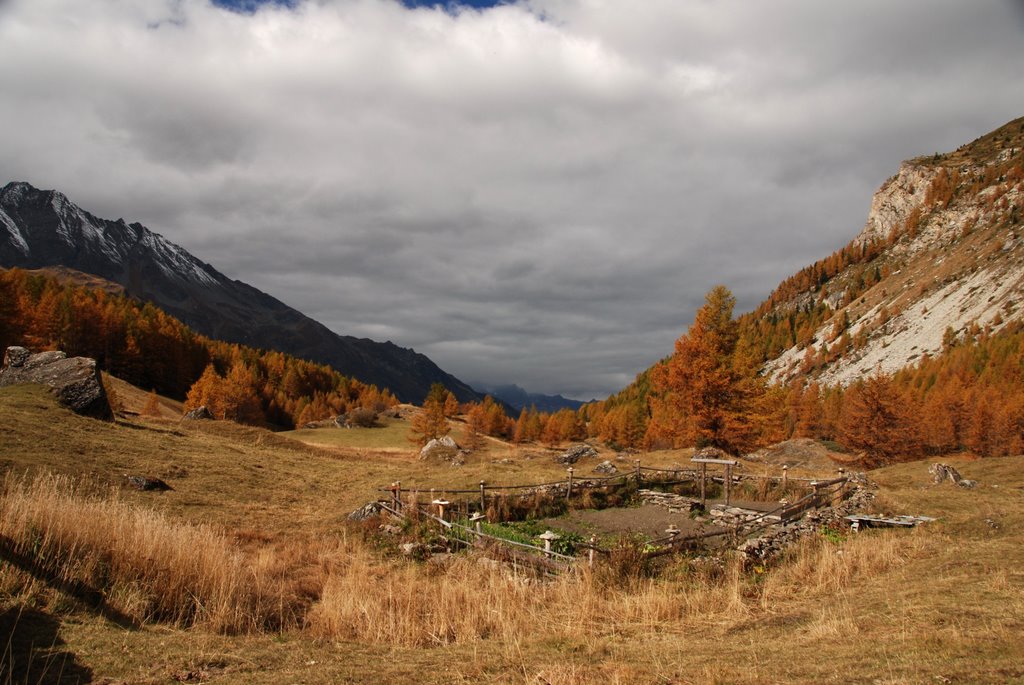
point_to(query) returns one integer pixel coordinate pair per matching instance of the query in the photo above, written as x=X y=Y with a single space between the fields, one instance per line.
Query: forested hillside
x=148 y=348
x=907 y=341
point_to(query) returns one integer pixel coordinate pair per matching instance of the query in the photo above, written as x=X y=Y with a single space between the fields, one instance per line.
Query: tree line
x=143 y=345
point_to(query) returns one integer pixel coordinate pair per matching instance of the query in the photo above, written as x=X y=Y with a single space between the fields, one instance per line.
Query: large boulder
x=200 y=413
x=943 y=472
x=75 y=381
x=443 y=448
x=575 y=453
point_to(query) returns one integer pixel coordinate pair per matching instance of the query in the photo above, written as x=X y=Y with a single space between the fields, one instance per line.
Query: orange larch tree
x=709 y=392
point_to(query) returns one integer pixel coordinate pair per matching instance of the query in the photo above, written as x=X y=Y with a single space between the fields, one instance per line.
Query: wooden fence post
x=785 y=476
x=593 y=543
x=568 y=491
x=703 y=485
x=841 y=491
x=477 y=518
x=638 y=476
x=483 y=496
x=728 y=483
x=673 y=533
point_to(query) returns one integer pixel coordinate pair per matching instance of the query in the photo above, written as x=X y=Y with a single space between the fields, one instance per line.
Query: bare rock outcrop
x=75 y=381
x=200 y=413
x=444 y=448
x=575 y=453
x=943 y=472
x=896 y=199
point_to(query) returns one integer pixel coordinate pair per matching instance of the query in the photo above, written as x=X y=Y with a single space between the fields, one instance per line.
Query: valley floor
x=942 y=603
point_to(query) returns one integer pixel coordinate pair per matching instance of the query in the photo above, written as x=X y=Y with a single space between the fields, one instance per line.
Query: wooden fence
x=573 y=484
x=820 y=493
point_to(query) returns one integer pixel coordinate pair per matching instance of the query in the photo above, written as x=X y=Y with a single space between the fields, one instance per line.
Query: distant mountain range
x=518 y=398
x=43 y=228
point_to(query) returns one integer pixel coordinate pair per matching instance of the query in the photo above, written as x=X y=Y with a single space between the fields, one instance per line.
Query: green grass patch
x=392 y=434
x=524 y=532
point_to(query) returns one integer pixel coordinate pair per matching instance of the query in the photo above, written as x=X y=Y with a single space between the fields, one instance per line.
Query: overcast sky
x=539 y=192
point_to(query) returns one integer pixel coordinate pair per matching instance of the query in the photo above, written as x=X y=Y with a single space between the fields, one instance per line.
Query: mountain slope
x=42 y=228
x=942 y=255
x=937 y=273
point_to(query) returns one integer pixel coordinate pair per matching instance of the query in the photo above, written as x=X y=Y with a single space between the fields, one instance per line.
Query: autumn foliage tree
x=876 y=421
x=708 y=393
x=152 y=406
x=141 y=344
x=527 y=427
x=430 y=422
x=488 y=418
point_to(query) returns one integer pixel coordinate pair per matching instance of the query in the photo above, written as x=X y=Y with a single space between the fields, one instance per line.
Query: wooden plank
x=887 y=521
x=704 y=460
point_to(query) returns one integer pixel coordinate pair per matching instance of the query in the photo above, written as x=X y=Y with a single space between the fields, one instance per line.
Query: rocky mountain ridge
x=950 y=262
x=43 y=228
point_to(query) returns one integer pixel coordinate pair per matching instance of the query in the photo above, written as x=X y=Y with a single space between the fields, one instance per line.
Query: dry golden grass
x=151 y=569
x=255 y=537
x=134 y=399
x=146 y=567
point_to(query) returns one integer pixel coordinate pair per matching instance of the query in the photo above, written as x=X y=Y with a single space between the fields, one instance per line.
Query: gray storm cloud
x=537 y=193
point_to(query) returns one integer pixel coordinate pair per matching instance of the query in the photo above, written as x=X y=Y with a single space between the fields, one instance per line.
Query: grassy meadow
x=247 y=572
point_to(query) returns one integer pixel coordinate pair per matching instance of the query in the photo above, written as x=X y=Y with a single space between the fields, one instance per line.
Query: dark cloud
x=539 y=192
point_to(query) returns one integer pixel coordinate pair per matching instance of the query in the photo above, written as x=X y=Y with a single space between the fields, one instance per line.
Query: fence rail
x=572 y=482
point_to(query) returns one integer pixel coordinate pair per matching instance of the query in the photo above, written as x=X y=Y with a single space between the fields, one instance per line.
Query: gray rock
x=943 y=472
x=416 y=550
x=575 y=453
x=16 y=356
x=76 y=381
x=606 y=467
x=443 y=448
x=367 y=511
x=198 y=414
x=711 y=453
x=147 y=483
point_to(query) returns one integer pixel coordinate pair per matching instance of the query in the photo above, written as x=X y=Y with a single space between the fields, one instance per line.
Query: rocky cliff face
x=43 y=228
x=896 y=199
x=952 y=262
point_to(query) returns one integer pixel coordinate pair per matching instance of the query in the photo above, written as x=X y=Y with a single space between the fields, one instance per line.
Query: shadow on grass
x=89 y=596
x=31 y=650
x=121 y=423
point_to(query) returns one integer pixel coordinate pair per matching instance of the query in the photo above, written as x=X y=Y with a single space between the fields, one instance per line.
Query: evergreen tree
x=710 y=393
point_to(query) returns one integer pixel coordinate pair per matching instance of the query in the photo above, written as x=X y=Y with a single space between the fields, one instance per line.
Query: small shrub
x=362 y=417
x=626 y=562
